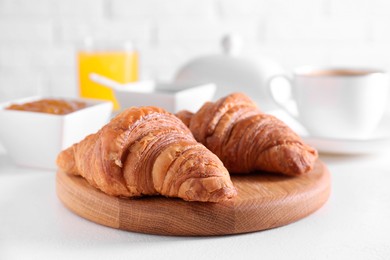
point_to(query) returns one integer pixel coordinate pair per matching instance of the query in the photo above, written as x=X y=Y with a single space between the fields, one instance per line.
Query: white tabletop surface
x=353 y=224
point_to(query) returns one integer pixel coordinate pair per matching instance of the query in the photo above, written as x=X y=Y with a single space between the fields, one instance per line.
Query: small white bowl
x=34 y=139
x=172 y=97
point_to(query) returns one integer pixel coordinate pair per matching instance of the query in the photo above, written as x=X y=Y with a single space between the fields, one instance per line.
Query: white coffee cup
x=336 y=102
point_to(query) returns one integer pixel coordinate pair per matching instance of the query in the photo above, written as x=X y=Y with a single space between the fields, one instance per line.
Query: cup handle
x=284 y=104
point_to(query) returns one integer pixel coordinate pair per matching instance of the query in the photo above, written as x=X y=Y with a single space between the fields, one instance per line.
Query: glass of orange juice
x=118 y=62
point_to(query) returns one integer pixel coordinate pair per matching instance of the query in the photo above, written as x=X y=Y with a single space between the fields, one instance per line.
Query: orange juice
x=121 y=66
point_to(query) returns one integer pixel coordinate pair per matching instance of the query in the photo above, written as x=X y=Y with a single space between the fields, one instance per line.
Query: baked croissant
x=246 y=140
x=148 y=151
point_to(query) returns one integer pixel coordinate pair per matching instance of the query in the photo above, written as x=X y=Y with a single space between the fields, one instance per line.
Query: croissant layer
x=247 y=140
x=148 y=151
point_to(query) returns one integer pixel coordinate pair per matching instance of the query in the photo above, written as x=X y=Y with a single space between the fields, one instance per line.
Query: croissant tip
x=230 y=192
x=220 y=195
x=66 y=162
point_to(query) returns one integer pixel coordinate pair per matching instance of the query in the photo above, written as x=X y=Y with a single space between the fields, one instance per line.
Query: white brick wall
x=39 y=38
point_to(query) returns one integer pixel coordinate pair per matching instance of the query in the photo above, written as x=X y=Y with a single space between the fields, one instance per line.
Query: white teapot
x=233 y=73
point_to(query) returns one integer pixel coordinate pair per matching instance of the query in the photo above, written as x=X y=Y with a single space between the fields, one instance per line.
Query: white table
x=354 y=224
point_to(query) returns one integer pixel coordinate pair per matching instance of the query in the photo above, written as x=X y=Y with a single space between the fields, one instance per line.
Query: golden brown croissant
x=148 y=151
x=245 y=139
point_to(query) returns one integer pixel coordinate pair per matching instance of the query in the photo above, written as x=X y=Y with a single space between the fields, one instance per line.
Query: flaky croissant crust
x=148 y=151
x=247 y=140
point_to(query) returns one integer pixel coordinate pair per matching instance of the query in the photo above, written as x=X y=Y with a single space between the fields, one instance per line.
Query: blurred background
x=39 y=39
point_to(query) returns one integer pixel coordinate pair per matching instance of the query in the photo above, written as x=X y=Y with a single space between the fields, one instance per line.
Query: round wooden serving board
x=264 y=201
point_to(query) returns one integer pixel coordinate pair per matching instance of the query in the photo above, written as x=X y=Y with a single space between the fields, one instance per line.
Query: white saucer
x=378 y=142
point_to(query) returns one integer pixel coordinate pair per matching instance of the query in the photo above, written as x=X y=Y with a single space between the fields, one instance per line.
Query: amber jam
x=50 y=106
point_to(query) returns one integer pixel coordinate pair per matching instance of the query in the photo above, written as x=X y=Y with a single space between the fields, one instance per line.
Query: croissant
x=148 y=151
x=246 y=140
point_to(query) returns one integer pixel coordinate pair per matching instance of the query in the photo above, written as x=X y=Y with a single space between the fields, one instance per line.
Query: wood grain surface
x=264 y=201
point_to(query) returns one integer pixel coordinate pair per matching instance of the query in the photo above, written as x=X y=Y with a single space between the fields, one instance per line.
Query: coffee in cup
x=346 y=103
